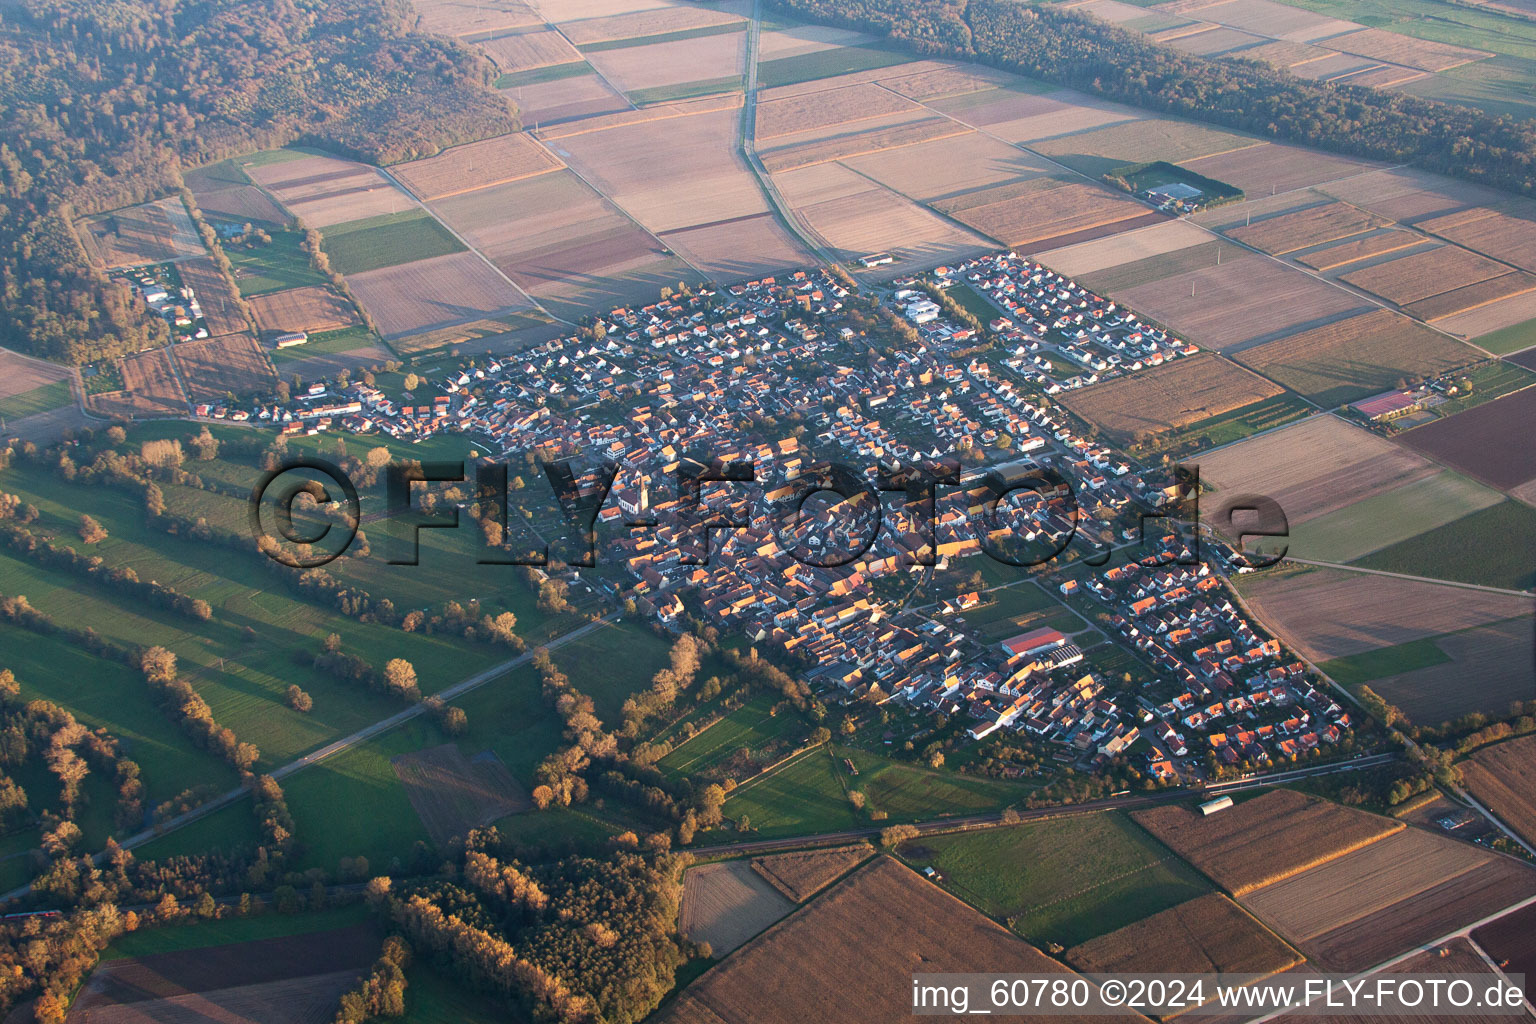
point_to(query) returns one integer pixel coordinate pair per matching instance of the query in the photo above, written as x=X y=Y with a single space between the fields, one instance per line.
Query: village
x=784 y=374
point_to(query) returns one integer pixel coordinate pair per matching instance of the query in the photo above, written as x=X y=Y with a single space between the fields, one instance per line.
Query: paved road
x=332 y=749
x=1406 y=576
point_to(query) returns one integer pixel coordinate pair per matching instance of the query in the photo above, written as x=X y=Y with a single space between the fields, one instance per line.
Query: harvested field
x=477 y=165
x=526 y=51
x=241 y=203
x=566 y=99
x=944 y=82
x=1411 y=196
x=1277 y=168
x=714 y=185
x=1422 y=274
x=1330 y=613
x=311 y=309
x=323 y=190
x=1455 y=957
x=1351 y=250
x=1472 y=296
x=1424 y=917
x=1168 y=397
x=150 y=388
x=1208 y=935
x=1291 y=231
x=1265 y=17
x=1399 y=867
x=506 y=333
x=727 y=903
x=829 y=107
x=1127 y=247
x=471 y=17
x=1020 y=116
x=738 y=249
x=1246 y=300
x=432 y=293
x=1487 y=442
x=21 y=374
x=1483 y=670
x=1355 y=357
x=804 y=873
x=788 y=158
x=1200 y=255
x=1039 y=210
x=1506 y=234
x=1264 y=840
x=214 y=367
x=559 y=11
x=150 y=233
x=636 y=24
x=220 y=303
x=1495 y=317
x=1511 y=941
x=948 y=167
x=1096 y=152
x=639 y=115
x=699 y=59
x=1214 y=41
x=1285 y=55
x=850 y=955
x=453 y=794
x=1395 y=48
x=1503 y=778
x=858 y=219
x=293 y=980
x=1344 y=464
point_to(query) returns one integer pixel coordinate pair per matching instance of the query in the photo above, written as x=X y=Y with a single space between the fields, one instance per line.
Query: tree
x=91 y=532
x=411 y=382
x=400 y=679
x=299 y=700
x=893 y=836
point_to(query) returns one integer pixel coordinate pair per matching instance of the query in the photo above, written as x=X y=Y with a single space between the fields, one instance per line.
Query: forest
x=1069 y=49
x=103 y=104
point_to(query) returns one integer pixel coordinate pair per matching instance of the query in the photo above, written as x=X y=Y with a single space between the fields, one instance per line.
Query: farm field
x=1355 y=357
x=323 y=190
x=1196 y=254
x=678 y=62
x=1245 y=300
x=803 y=873
x=619 y=29
x=314 y=310
x=529 y=51
x=568 y=98
x=453 y=793
x=1207 y=935
x=1065 y=880
x=1315 y=225
x=897 y=132
x=216 y=367
x=139 y=235
x=1332 y=613
x=1351 y=250
x=727 y=903
x=1387 y=518
x=30 y=386
x=1408 y=279
x=1345 y=464
x=433 y=293
x=43 y=398
x=1503 y=778
x=1143 y=141
x=1124 y=248
x=1023 y=111
x=1511 y=938
x=327 y=353
x=1484 y=442
x=1232 y=426
x=1455 y=957
x=239 y=204
x=222 y=307
x=840 y=105
x=476 y=165
x=279 y=264
x=1168 y=397
x=1503 y=233
x=1435 y=688
x=849 y=955
x=1274 y=167
x=472 y=17
x=826 y=63
x=387 y=240
x=304 y=975
x=150 y=388
x=1399 y=867
x=1264 y=840
x=1472 y=297
x=1044 y=212
x=1421 y=917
